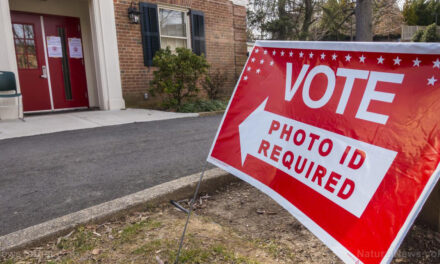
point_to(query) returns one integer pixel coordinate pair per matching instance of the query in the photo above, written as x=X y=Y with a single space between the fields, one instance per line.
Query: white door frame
x=106 y=54
x=8 y=62
x=46 y=59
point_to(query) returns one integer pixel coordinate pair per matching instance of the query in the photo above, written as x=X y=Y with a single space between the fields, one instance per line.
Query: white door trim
x=43 y=32
x=106 y=54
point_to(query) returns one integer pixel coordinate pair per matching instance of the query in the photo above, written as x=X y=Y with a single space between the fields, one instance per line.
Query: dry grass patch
x=237 y=224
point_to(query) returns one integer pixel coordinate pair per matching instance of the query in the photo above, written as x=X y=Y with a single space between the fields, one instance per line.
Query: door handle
x=44 y=69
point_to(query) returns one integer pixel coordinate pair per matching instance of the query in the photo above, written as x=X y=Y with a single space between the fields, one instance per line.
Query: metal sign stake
x=190 y=211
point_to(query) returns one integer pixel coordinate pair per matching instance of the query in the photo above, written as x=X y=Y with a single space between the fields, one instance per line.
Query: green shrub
x=421 y=12
x=430 y=34
x=214 y=82
x=203 y=106
x=177 y=75
x=418 y=35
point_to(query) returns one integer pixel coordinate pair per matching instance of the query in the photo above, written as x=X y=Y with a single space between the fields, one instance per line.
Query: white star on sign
x=245 y=78
x=436 y=64
x=380 y=60
x=274 y=53
x=301 y=54
x=334 y=56
x=265 y=52
x=257 y=50
x=362 y=58
x=249 y=68
x=291 y=54
x=311 y=55
x=322 y=56
x=416 y=62
x=271 y=63
x=397 y=60
x=431 y=81
x=282 y=53
x=258 y=71
x=348 y=57
x=253 y=59
x=261 y=61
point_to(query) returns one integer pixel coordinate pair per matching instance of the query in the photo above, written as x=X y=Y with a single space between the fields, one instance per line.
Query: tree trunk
x=282 y=14
x=308 y=13
x=364 y=12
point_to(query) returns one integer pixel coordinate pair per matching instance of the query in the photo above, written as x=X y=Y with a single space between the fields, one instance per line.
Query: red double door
x=50 y=61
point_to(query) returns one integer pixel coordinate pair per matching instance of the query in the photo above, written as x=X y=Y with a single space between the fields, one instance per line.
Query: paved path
x=47 y=176
x=73 y=120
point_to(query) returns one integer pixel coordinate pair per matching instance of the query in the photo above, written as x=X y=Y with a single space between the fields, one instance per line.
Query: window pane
x=30 y=45
x=173 y=43
x=19 y=46
x=172 y=23
x=21 y=61
x=29 y=31
x=18 y=30
x=32 y=60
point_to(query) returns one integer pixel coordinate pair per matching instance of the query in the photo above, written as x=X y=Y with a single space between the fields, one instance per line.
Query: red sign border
x=343 y=253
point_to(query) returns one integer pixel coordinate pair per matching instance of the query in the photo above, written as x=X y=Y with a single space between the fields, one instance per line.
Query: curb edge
x=176 y=189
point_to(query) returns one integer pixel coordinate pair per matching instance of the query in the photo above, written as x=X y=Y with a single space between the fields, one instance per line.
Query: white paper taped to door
x=54 y=47
x=75 y=48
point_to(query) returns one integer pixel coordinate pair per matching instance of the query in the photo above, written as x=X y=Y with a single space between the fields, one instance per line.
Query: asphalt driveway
x=46 y=176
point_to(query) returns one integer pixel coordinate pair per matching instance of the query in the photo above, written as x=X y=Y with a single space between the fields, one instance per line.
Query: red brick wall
x=225 y=29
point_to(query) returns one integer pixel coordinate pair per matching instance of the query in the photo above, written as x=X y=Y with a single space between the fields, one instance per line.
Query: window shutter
x=150 y=31
x=198 y=32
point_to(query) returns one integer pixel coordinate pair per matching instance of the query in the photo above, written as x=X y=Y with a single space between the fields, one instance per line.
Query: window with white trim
x=163 y=26
x=173 y=28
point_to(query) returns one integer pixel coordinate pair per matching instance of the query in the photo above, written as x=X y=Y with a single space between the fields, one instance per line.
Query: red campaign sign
x=345 y=136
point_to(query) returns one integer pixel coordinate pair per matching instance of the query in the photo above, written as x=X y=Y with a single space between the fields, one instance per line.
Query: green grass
x=81 y=241
x=274 y=248
x=139 y=244
x=130 y=231
x=222 y=252
x=213 y=254
x=149 y=248
x=9 y=261
x=193 y=252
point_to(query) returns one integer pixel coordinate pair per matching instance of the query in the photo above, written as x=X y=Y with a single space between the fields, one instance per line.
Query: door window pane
x=30 y=47
x=19 y=46
x=32 y=62
x=18 y=30
x=29 y=31
x=21 y=61
x=26 y=52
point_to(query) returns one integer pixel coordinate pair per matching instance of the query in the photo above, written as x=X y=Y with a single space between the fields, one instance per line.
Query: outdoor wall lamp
x=133 y=14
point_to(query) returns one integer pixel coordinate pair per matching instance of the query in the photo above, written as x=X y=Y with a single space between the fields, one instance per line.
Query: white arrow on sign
x=260 y=138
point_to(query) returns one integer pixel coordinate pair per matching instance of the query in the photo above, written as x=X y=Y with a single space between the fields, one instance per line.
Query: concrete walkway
x=50 y=123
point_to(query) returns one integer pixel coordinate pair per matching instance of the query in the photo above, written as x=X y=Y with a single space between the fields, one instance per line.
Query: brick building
x=74 y=54
x=225 y=39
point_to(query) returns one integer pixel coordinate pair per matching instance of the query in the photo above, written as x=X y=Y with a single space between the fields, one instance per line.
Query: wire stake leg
x=190 y=211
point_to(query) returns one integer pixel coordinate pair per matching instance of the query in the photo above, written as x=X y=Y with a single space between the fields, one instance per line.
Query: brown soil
x=236 y=224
